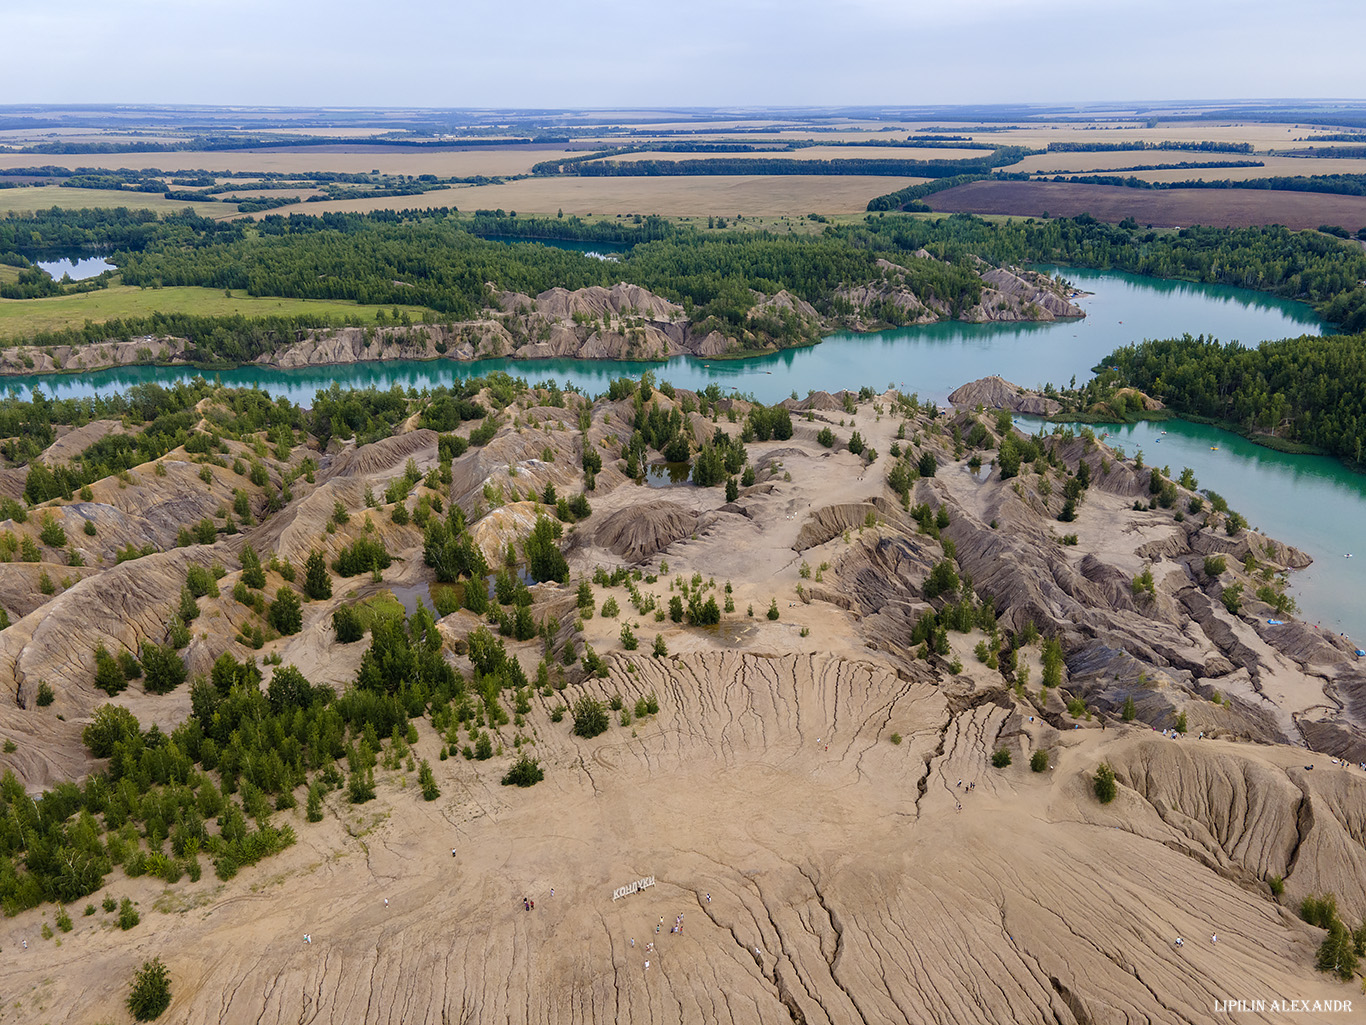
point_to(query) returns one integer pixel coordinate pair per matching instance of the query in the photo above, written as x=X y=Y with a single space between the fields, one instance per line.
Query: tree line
x=1310 y=390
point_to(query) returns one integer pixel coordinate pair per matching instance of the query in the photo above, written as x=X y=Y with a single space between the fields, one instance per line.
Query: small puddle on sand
x=408 y=595
x=668 y=475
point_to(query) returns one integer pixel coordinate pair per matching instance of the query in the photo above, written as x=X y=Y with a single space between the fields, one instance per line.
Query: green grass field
x=21 y=318
x=8 y=275
x=44 y=197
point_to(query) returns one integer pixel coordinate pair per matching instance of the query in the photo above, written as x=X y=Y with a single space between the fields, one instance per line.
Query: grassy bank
x=22 y=318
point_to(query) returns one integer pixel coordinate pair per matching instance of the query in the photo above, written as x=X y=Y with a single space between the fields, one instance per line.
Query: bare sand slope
x=825 y=874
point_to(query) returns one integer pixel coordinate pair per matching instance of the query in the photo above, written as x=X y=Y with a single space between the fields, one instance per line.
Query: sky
x=643 y=53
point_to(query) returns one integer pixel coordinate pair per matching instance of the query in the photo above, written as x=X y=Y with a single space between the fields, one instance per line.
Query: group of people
x=528 y=905
x=958 y=806
x=1214 y=938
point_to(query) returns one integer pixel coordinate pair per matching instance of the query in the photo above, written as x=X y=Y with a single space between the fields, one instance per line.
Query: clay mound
x=388 y=455
x=780 y=302
x=597 y=301
x=1015 y=294
x=817 y=400
x=830 y=521
x=73 y=442
x=997 y=393
x=636 y=534
x=508 y=523
x=1252 y=820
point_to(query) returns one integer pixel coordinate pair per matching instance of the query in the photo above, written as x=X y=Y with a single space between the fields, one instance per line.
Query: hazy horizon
x=608 y=54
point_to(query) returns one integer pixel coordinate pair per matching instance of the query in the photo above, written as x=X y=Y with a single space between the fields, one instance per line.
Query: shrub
x=361 y=556
x=52 y=533
x=427 y=780
x=64 y=919
x=347 y=623
x=1232 y=597
x=1105 y=784
x=361 y=786
x=128 y=915
x=1038 y=761
x=525 y=772
x=1000 y=758
x=826 y=437
x=162 y=667
x=317 y=584
x=286 y=612
x=544 y=558
x=151 y=993
x=590 y=716
x=1277 y=885
x=1337 y=954
x=200 y=582
x=1214 y=565
x=45 y=694
x=610 y=609
x=773 y=608
x=1129 y=711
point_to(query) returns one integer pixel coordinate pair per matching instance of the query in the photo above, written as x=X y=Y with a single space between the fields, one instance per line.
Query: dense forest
x=1167 y=144
x=785 y=165
x=1310 y=390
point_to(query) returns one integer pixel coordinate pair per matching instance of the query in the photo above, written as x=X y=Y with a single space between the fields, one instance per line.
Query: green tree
x=347 y=624
x=111 y=725
x=1000 y=758
x=545 y=561
x=1038 y=761
x=1129 y=711
x=590 y=716
x=1105 y=784
x=253 y=575
x=525 y=772
x=52 y=534
x=1337 y=953
x=286 y=611
x=427 y=779
x=317 y=583
x=151 y=993
x=162 y=667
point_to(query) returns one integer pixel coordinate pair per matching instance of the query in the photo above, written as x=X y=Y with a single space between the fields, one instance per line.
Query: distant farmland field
x=44 y=197
x=352 y=159
x=1165 y=208
x=727 y=195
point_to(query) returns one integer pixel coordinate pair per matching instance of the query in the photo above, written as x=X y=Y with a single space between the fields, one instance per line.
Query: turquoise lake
x=1313 y=503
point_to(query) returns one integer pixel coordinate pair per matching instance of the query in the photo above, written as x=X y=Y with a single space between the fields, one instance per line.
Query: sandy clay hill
x=814 y=800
